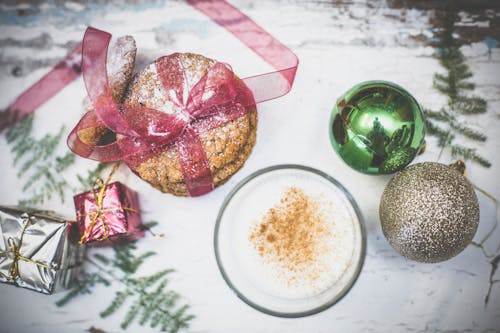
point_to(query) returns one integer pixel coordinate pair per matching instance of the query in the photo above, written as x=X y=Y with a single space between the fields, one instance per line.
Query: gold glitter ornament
x=429 y=212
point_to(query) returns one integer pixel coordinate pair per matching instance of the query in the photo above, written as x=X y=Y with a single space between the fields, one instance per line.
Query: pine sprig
x=38 y=165
x=436 y=115
x=87 y=181
x=468 y=132
x=458 y=151
x=126 y=261
x=147 y=299
x=116 y=303
x=40 y=168
x=469 y=105
x=444 y=136
x=131 y=314
x=447 y=123
x=83 y=286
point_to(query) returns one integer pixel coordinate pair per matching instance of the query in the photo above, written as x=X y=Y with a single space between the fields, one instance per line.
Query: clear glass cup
x=244 y=204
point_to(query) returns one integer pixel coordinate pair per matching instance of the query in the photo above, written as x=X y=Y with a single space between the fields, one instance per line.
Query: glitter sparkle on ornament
x=377 y=127
x=429 y=212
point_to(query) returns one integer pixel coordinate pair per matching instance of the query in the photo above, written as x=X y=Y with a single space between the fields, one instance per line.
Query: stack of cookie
x=227 y=147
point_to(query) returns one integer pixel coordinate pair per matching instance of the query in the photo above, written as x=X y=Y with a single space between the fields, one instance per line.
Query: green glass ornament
x=377 y=127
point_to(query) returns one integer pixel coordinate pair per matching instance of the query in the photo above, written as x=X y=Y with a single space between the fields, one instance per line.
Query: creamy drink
x=301 y=245
x=295 y=241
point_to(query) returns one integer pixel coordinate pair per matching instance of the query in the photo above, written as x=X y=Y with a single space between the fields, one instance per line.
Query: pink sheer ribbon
x=142 y=132
x=218 y=97
x=264 y=86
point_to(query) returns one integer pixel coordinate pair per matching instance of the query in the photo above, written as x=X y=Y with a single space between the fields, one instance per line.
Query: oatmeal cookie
x=227 y=147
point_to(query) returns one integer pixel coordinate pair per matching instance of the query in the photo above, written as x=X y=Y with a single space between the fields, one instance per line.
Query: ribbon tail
x=65 y=72
x=268 y=86
x=265 y=86
x=194 y=164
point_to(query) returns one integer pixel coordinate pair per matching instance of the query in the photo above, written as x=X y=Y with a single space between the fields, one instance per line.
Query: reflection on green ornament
x=377 y=127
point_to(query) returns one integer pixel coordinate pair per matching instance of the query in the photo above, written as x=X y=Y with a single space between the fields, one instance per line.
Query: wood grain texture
x=339 y=44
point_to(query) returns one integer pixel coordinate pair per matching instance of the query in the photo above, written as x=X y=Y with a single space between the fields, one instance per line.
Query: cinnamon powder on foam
x=292 y=235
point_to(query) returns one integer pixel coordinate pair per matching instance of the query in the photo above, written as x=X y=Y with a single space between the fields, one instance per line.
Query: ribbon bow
x=99 y=214
x=14 y=248
x=218 y=97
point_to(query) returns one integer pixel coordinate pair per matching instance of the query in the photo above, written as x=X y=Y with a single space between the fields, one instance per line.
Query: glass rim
x=359 y=264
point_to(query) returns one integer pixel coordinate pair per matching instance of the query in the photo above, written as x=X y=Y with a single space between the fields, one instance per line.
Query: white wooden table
x=338 y=46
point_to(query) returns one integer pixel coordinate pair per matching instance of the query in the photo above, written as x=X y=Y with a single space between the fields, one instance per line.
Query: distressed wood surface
x=339 y=43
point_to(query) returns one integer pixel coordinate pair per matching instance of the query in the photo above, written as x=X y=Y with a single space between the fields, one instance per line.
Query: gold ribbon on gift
x=15 y=248
x=98 y=191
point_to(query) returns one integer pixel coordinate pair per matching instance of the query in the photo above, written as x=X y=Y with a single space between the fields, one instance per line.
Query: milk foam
x=338 y=250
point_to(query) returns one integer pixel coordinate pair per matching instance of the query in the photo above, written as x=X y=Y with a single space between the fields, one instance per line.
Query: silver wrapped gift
x=38 y=250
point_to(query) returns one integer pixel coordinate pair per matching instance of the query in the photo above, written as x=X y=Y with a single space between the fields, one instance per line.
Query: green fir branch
x=116 y=303
x=37 y=198
x=440 y=115
x=149 y=308
x=445 y=137
x=150 y=280
x=63 y=162
x=39 y=166
x=465 y=86
x=433 y=129
x=469 y=105
x=468 y=132
x=40 y=150
x=455 y=86
x=465 y=153
x=102 y=258
x=8 y=117
x=441 y=87
x=146 y=298
x=20 y=134
x=148 y=225
x=132 y=314
x=83 y=286
x=447 y=123
x=126 y=261
x=88 y=181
